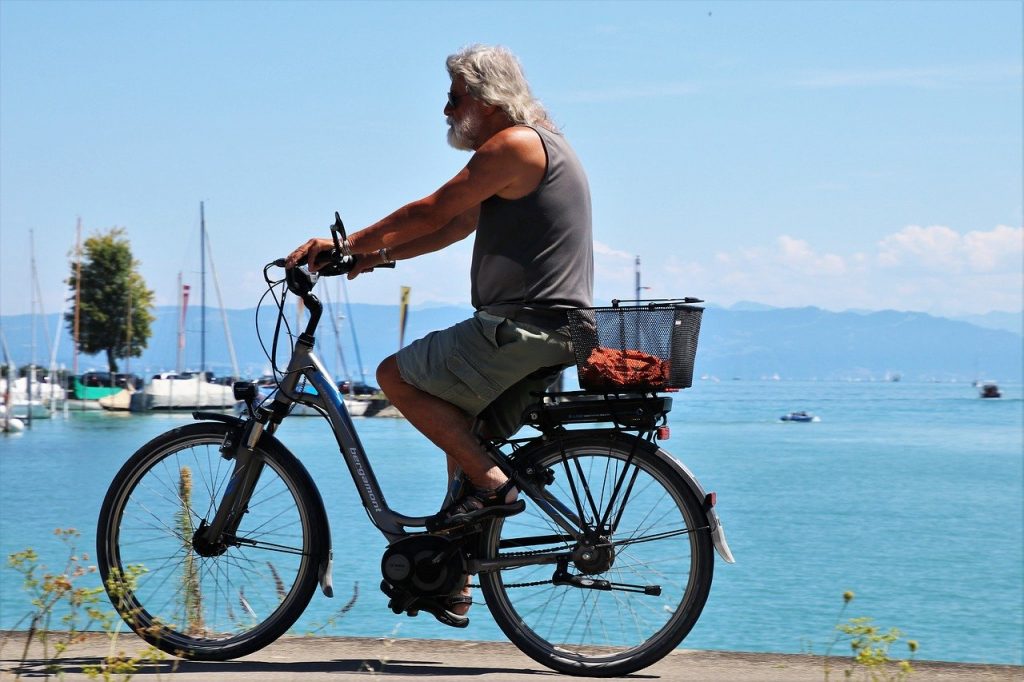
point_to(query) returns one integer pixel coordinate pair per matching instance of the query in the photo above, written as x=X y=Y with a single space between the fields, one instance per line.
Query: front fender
x=326 y=560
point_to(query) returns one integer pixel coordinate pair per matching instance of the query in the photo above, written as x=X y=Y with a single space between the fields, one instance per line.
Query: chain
x=532 y=552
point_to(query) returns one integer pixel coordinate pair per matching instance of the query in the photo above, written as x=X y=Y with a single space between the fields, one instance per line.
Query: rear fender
x=707 y=499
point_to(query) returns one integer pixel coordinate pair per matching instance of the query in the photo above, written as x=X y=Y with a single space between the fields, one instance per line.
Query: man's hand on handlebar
x=307 y=253
x=365 y=262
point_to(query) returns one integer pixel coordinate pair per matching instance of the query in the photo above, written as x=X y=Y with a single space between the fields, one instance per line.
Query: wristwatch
x=385 y=256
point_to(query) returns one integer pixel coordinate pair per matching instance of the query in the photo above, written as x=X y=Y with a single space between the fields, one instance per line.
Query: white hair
x=494 y=76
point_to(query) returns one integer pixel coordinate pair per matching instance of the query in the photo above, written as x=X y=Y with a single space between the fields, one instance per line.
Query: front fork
x=214 y=536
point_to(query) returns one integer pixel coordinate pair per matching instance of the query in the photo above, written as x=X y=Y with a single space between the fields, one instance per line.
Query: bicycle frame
x=392 y=524
x=304 y=363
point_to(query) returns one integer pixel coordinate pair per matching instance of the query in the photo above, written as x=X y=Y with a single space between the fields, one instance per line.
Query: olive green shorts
x=488 y=366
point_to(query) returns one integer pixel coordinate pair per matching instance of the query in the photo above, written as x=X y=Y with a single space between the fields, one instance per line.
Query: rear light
x=710 y=500
x=663 y=433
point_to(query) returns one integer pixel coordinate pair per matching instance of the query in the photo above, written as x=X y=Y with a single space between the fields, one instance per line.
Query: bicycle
x=213 y=537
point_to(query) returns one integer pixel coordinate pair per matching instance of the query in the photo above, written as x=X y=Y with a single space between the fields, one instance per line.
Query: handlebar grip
x=325 y=257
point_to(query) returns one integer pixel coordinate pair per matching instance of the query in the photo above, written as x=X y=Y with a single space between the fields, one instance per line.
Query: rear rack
x=641 y=411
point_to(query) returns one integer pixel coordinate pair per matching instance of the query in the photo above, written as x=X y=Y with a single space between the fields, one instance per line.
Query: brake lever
x=339 y=227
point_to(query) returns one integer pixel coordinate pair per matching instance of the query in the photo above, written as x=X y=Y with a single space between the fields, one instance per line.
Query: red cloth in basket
x=624 y=368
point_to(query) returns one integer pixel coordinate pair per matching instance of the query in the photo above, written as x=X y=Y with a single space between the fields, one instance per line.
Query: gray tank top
x=533 y=258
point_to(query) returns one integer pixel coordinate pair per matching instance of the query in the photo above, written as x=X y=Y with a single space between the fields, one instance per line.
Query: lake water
x=908 y=494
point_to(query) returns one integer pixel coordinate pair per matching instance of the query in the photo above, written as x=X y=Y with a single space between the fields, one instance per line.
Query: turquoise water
x=908 y=494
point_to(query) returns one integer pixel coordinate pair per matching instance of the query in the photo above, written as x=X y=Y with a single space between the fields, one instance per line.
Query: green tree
x=113 y=301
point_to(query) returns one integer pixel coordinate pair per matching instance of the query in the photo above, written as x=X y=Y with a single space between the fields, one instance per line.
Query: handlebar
x=301 y=281
x=333 y=262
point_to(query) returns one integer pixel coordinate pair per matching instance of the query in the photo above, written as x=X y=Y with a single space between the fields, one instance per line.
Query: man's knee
x=388 y=375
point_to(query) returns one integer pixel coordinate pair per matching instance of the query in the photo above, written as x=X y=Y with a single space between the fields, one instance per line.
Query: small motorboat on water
x=799 y=417
x=989 y=389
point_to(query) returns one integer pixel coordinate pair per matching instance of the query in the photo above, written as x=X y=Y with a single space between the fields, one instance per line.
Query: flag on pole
x=402 y=314
x=184 y=310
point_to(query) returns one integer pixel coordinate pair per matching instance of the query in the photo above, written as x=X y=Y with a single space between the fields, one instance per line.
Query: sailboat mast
x=223 y=313
x=78 y=291
x=128 y=341
x=182 y=302
x=352 y=326
x=32 y=351
x=638 y=278
x=202 y=291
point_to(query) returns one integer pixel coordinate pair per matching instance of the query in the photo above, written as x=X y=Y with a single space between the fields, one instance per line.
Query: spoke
x=652 y=538
x=625 y=604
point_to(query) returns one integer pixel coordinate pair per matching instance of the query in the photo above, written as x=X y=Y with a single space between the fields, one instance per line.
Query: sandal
x=458 y=600
x=477 y=504
x=436 y=606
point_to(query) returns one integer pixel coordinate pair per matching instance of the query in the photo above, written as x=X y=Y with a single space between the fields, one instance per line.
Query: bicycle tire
x=596 y=633
x=217 y=607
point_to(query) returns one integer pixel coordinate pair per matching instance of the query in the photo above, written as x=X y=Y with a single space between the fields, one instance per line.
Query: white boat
x=39 y=390
x=8 y=423
x=186 y=391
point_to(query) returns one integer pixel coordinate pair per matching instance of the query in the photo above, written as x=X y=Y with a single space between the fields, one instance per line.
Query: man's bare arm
x=510 y=164
x=456 y=230
x=510 y=159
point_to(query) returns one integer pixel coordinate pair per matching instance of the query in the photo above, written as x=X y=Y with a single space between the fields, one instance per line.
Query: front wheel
x=627 y=596
x=210 y=604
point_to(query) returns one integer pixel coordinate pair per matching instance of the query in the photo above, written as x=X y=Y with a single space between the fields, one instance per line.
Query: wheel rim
x=653 y=544
x=167 y=591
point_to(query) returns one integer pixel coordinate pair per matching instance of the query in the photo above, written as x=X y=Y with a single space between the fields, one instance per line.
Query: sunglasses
x=453 y=99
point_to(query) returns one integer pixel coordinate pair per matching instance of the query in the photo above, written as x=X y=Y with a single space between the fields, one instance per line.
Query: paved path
x=341 y=659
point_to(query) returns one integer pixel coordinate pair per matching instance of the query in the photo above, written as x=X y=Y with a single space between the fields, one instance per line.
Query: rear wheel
x=649 y=542
x=209 y=603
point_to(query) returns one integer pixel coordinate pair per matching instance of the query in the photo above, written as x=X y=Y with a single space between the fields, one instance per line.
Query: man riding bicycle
x=526 y=196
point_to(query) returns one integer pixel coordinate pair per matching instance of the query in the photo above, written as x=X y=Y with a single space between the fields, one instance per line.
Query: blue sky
x=838 y=154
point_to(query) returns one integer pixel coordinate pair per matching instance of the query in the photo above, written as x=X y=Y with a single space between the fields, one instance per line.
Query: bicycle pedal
x=399 y=601
x=475 y=517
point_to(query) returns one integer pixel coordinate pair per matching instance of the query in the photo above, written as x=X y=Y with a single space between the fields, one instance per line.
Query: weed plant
x=78 y=610
x=871 y=647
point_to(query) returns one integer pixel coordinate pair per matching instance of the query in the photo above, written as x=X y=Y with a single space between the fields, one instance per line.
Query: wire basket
x=649 y=346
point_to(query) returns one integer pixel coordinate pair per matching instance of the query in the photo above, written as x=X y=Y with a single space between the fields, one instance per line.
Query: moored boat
x=9 y=423
x=357 y=405
x=89 y=388
x=799 y=417
x=186 y=391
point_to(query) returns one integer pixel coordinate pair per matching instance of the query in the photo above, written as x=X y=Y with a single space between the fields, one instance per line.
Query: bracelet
x=385 y=256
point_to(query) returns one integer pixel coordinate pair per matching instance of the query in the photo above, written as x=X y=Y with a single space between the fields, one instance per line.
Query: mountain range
x=744 y=341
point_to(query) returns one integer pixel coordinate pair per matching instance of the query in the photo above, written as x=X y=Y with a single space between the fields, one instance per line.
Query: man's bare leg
x=447 y=426
x=450 y=429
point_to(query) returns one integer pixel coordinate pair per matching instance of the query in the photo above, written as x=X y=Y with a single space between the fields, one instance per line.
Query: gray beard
x=462 y=134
